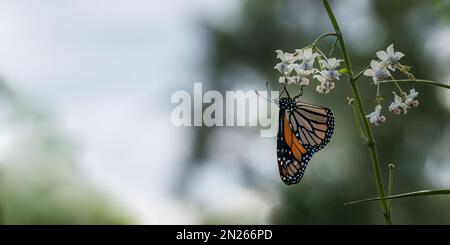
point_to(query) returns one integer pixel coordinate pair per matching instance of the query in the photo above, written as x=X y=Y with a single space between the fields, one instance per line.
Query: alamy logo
x=237 y=109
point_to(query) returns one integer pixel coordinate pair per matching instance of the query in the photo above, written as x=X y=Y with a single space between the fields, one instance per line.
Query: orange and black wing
x=292 y=156
x=312 y=125
x=301 y=132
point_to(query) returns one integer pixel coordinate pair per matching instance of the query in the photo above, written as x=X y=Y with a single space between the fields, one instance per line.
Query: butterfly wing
x=312 y=125
x=302 y=132
x=292 y=156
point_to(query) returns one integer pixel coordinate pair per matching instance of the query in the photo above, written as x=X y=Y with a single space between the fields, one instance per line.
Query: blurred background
x=85 y=131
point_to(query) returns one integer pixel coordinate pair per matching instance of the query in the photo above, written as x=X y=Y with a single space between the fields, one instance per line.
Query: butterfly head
x=287 y=103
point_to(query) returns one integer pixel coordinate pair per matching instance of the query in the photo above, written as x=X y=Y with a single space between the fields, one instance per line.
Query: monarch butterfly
x=303 y=129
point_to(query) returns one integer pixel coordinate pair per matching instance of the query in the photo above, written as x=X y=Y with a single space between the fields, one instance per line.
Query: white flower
x=397 y=104
x=300 y=79
x=294 y=80
x=411 y=100
x=307 y=57
x=324 y=75
x=390 y=57
x=378 y=71
x=325 y=88
x=326 y=85
x=330 y=74
x=299 y=69
x=331 y=64
x=327 y=75
x=287 y=59
x=307 y=66
x=375 y=117
x=306 y=54
x=321 y=77
x=287 y=80
x=284 y=68
x=333 y=74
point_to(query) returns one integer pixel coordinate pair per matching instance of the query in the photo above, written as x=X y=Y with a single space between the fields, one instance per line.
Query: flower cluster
x=302 y=61
x=380 y=70
x=298 y=68
x=327 y=75
x=409 y=102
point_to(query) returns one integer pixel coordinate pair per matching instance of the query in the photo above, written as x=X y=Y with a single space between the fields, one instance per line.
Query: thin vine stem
x=361 y=73
x=390 y=181
x=358 y=124
x=400 y=90
x=318 y=50
x=368 y=131
x=332 y=47
x=322 y=36
x=419 y=81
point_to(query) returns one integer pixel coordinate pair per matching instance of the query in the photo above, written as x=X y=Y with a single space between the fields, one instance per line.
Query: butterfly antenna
x=265 y=98
x=285 y=90
x=267 y=86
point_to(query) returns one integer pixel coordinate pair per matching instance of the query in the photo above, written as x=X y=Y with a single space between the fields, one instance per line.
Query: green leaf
x=405 y=195
x=344 y=70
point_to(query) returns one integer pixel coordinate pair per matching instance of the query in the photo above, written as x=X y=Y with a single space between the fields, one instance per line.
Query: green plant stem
x=400 y=90
x=405 y=195
x=318 y=50
x=355 y=114
x=368 y=131
x=361 y=72
x=419 y=81
x=332 y=47
x=322 y=36
x=390 y=181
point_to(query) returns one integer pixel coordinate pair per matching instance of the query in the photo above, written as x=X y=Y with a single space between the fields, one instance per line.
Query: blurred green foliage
x=39 y=181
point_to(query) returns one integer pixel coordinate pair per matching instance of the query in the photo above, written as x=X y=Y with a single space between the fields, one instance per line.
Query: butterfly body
x=303 y=129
